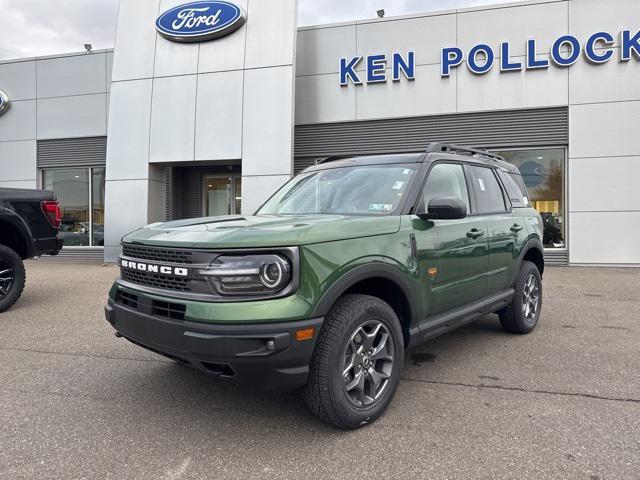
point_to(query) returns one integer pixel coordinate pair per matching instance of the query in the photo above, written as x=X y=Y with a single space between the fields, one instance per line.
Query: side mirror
x=445 y=208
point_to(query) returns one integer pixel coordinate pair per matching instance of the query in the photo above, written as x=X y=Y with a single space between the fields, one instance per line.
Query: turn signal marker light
x=306 y=334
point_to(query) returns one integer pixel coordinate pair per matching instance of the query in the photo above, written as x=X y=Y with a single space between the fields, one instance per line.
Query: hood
x=261 y=231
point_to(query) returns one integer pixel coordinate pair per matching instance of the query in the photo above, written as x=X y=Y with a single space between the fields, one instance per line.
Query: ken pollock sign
x=599 y=48
x=200 y=21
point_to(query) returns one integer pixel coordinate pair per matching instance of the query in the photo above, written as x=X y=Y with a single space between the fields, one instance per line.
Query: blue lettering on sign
x=532 y=62
x=505 y=63
x=489 y=58
x=407 y=68
x=348 y=71
x=200 y=21
x=630 y=45
x=565 y=51
x=376 y=68
x=451 y=58
x=590 y=47
x=574 y=54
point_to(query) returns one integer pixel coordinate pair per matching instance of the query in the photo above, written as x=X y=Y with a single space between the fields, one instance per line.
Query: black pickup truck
x=29 y=227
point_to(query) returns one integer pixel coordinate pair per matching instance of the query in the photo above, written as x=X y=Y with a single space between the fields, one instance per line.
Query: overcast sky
x=43 y=27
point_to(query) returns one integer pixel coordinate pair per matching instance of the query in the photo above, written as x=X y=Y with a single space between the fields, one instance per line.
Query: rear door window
x=487 y=191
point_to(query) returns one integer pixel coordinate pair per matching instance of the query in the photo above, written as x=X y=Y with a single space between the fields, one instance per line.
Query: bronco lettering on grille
x=161 y=269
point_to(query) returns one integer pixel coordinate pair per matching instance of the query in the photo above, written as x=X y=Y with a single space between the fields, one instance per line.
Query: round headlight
x=271 y=275
x=250 y=274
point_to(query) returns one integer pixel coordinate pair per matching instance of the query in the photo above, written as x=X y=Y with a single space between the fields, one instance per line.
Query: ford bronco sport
x=345 y=267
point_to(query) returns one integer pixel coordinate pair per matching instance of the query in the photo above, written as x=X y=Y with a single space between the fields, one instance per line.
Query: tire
x=516 y=318
x=356 y=323
x=12 y=268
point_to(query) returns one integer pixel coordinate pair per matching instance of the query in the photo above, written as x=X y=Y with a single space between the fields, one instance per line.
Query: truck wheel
x=356 y=366
x=524 y=312
x=12 y=278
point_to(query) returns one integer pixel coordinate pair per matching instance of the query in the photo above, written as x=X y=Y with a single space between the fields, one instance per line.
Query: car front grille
x=162 y=255
x=156 y=280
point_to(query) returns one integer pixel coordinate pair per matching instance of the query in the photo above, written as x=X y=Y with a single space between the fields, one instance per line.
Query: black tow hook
x=118 y=334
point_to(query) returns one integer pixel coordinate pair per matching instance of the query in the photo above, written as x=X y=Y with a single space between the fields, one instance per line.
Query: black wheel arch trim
x=533 y=244
x=23 y=230
x=376 y=269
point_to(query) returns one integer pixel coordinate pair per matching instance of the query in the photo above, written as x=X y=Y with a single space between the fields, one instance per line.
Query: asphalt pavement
x=561 y=403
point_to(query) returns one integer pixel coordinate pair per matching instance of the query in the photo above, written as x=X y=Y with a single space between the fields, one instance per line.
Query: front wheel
x=356 y=366
x=524 y=312
x=12 y=278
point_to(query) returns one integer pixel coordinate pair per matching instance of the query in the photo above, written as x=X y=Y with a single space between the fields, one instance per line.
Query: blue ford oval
x=200 y=21
x=4 y=102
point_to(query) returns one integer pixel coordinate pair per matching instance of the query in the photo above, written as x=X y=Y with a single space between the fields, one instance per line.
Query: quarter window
x=515 y=188
x=543 y=172
x=488 y=194
x=446 y=180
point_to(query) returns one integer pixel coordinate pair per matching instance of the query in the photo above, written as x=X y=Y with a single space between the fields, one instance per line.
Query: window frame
x=89 y=169
x=508 y=207
x=505 y=191
x=565 y=184
x=406 y=206
x=419 y=201
x=232 y=177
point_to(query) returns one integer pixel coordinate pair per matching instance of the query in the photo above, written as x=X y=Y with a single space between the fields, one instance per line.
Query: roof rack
x=451 y=148
x=331 y=158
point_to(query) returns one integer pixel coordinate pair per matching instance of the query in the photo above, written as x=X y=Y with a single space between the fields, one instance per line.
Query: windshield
x=361 y=190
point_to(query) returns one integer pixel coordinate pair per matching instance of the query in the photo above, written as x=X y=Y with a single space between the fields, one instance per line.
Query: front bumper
x=266 y=356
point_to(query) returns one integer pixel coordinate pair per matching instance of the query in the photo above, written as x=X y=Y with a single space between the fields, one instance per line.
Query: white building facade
x=160 y=129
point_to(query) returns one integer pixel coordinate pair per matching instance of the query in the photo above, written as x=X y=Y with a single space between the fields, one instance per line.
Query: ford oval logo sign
x=4 y=102
x=200 y=21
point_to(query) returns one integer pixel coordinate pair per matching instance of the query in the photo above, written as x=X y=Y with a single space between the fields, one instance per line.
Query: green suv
x=349 y=264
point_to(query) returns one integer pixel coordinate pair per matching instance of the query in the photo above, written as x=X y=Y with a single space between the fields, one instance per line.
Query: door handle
x=475 y=233
x=516 y=228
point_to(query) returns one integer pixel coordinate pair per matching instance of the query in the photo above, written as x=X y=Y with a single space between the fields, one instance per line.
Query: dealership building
x=177 y=122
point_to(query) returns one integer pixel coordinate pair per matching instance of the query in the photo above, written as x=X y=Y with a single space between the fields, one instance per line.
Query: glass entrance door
x=222 y=195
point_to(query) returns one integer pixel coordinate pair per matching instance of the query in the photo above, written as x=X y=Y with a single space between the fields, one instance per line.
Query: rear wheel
x=357 y=362
x=524 y=312
x=12 y=278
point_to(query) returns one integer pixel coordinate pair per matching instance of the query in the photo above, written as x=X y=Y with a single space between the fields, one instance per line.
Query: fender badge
x=432 y=272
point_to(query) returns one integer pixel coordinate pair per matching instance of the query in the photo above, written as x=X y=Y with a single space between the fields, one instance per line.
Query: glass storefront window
x=543 y=171
x=222 y=195
x=97 y=201
x=80 y=192
x=238 y=195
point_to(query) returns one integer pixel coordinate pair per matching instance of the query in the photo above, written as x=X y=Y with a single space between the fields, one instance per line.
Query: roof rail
x=331 y=158
x=451 y=148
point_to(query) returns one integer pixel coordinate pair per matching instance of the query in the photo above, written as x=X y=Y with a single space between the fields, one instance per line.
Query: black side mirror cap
x=445 y=208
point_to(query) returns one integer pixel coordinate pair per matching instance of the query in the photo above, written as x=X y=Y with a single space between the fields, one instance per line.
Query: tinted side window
x=489 y=198
x=517 y=196
x=446 y=180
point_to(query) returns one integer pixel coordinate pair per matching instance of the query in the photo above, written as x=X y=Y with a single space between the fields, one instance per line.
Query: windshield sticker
x=380 y=207
x=406 y=171
x=482 y=187
x=398 y=185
